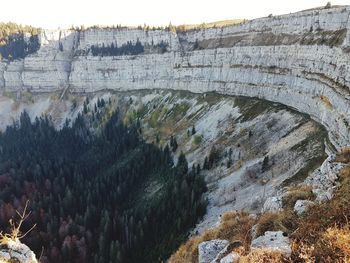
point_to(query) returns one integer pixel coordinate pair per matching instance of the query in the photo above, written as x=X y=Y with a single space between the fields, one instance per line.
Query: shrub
x=316 y=228
x=234 y=226
x=197 y=139
x=322 y=235
x=297 y=193
x=343 y=156
x=263 y=256
x=275 y=221
x=339 y=238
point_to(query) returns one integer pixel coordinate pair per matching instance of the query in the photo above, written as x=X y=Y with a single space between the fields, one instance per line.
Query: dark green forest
x=17 y=46
x=89 y=192
x=127 y=49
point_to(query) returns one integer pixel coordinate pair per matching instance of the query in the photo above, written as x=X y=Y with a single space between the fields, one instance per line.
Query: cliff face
x=301 y=60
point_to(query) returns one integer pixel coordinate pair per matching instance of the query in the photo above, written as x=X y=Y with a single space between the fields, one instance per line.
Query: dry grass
x=303 y=192
x=15 y=234
x=219 y=24
x=305 y=252
x=316 y=228
x=339 y=238
x=344 y=156
x=322 y=235
x=282 y=221
x=234 y=226
x=263 y=256
x=326 y=101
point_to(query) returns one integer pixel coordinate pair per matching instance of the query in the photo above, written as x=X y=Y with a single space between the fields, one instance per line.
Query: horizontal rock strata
x=301 y=60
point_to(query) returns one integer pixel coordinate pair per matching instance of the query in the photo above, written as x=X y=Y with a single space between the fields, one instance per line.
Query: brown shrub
x=263 y=256
x=312 y=229
x=339 y=239
x=345 y=176
x=234 y=226
x=296 y=193
x=322 y=235
x=326 y=101
x=283 y=221
x=343 y=156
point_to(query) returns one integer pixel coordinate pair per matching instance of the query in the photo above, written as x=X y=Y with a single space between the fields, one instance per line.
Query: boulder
x=223 y=253
x=324 y=179
x=273 y=240
x=301 y=206
x=273 y=204
x=209 y=250
x=230 y=258
x=15 y=251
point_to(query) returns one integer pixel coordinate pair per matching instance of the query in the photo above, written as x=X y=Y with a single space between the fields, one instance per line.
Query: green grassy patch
x=197 y=139
x=314 y=161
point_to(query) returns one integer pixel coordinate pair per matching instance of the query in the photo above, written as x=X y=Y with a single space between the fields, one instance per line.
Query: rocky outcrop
x=301 y=60
x=273 y=204
x=273 y=241
x=15 y=251
x=324 y=179
x=209 y=250
x=230 y=258
x=301 y=206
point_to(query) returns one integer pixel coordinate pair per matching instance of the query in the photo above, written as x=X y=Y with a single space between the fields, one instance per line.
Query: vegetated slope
x=254 y=145
x=248 y=149
x=322 y=234
x=86 y=190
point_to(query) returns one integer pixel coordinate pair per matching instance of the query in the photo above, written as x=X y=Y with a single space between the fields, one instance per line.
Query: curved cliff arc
x=301 y=60
x=307 y=94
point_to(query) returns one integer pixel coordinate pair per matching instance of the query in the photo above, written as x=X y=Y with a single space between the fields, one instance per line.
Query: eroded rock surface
x=302 y=206
x=230 y=258
x=324 y=179
x=273 y=204
x=300 y=60
x=15 y=251
x=273 y=240
x=209 y=250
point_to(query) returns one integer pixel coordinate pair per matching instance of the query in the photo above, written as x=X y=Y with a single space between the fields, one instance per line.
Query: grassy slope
x=322 y=235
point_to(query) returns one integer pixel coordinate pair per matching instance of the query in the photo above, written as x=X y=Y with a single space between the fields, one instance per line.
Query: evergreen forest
x=96 y=196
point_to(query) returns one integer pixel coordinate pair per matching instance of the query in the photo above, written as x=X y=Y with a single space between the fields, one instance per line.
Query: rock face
x=324 y=179
x=230 y=258
x=300 y=60
x=273 y=204
x=301 y=206
x=273 y=241
x=15 y=251
x=209 y=250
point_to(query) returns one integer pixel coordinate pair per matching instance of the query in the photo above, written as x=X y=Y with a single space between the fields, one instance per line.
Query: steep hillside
x=256 y=107
x=259 y=146
x=95 y=197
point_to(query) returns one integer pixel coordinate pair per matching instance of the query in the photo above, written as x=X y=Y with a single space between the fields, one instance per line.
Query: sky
x=65 y=13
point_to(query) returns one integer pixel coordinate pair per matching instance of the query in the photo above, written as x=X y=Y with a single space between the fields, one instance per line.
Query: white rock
x=324 y=179
x=209 y=250
x=301 y=206
x=230 y=258
x=17 y=252
x=254 y=231
x=273 y=204
x=314 y=79
x=274 y=241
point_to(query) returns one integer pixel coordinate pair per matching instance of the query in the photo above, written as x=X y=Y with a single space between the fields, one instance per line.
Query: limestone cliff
x=301 y=60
